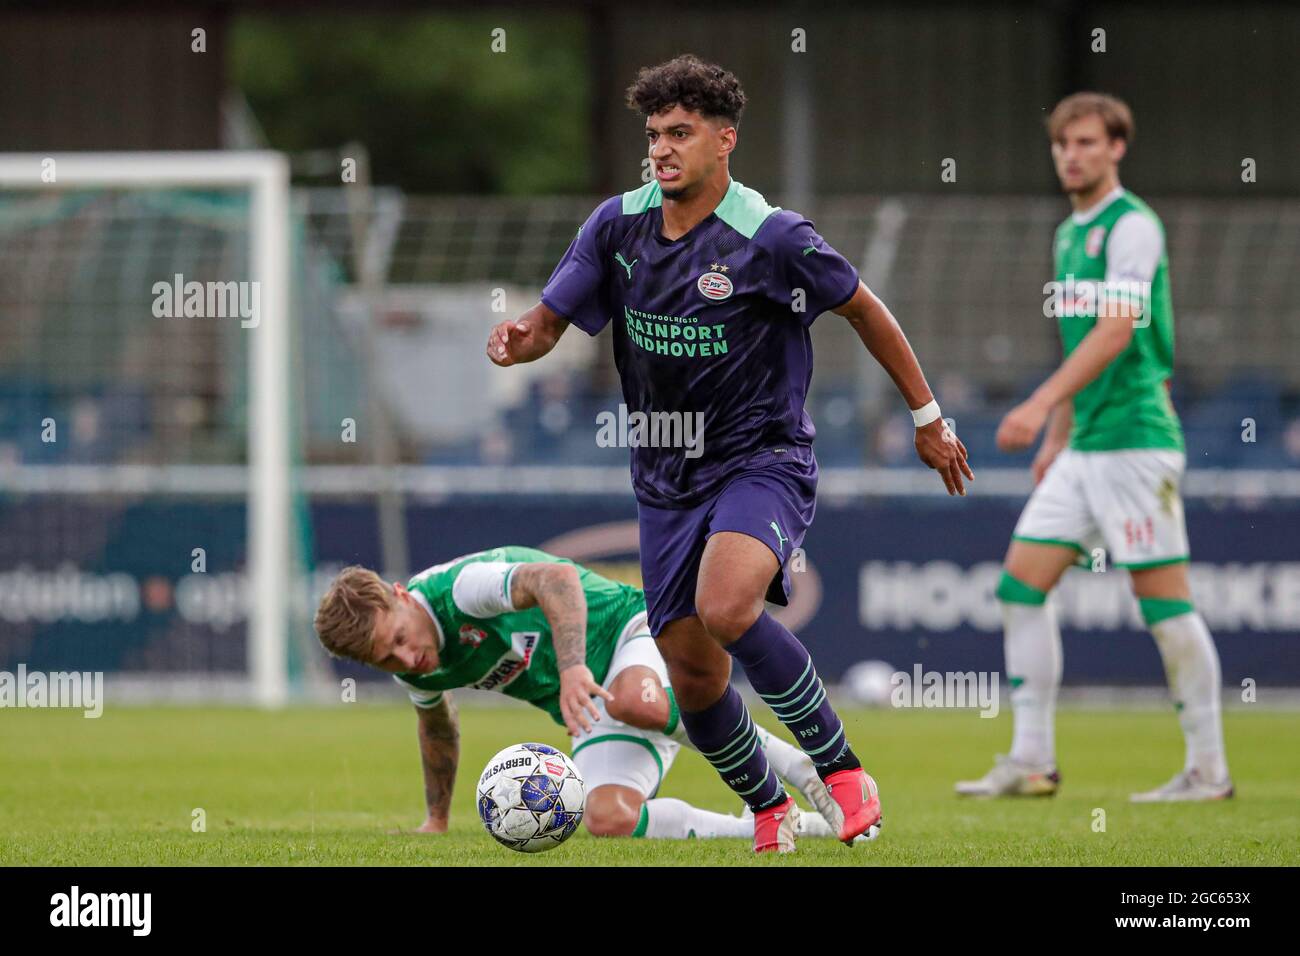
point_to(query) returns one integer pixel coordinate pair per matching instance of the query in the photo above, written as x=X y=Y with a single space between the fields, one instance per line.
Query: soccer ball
x=531 y=797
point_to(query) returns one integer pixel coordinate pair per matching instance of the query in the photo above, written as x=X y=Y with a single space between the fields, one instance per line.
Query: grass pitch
x=328 y=786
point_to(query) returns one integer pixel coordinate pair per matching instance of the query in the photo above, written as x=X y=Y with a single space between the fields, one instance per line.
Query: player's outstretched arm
x=527 y=338
x=439 y=733
x=879 y=331
x=557 y=590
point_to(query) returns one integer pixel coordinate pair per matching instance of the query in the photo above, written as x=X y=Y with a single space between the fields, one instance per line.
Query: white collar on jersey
x=1091 y=213
x=424 y=603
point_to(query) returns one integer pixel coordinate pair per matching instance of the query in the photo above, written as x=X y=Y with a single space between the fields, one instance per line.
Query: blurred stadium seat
x=963 y=275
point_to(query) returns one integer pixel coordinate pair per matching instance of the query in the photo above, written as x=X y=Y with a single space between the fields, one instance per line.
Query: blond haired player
x=547 y=631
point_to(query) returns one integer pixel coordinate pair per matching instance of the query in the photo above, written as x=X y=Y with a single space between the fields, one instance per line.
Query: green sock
x=1014 y=591
x=1155 y=610
x=674 y=715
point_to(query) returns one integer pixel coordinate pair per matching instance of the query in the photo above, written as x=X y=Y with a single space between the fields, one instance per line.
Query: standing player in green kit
x=1109 y=468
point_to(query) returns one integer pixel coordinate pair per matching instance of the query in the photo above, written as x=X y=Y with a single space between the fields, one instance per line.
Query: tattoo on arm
x=558 y=591
x=439 y=733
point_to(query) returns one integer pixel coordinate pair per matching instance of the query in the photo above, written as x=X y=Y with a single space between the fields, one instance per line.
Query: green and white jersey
x=1110 y=252
x=483 y=642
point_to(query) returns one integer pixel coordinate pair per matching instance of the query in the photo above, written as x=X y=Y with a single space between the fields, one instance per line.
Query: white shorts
x=1126 y=501
x=614 y=752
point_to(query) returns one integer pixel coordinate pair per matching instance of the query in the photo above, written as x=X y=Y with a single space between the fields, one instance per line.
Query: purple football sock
x=724 y=734
x=782 y=673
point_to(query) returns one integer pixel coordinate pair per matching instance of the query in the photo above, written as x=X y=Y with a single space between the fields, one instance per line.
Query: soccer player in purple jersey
x=712 y=292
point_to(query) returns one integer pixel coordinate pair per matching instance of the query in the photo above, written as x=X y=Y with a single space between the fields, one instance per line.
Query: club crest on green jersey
x=471 y=635
x=1093 y=243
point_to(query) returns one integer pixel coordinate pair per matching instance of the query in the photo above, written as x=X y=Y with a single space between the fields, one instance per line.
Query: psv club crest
x=471 y=635
x=715 y=286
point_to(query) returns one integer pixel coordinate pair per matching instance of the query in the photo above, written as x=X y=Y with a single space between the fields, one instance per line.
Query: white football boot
x=810 y=823
x=803 y=777
x=816 y=792
x=813 y=824
x=1011 y=778
x=1187 y=785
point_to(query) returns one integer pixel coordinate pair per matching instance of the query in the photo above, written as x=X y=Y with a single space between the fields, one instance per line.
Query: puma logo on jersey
x=625 y=264
x=780 y=538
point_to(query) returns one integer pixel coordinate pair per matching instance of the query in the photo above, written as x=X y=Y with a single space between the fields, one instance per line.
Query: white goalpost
x=266 y=177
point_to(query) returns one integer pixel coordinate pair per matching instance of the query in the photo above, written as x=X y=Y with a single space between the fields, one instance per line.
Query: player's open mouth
x=668 y=173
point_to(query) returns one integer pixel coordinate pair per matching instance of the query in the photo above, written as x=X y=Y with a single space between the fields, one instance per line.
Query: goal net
x=149 y=524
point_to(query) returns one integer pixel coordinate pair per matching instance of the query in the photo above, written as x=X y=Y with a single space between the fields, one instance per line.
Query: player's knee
x=632 y=710
x=697 y=683
x=698 y=667
x=639 y=698
x=610 y=818
x=725 y=615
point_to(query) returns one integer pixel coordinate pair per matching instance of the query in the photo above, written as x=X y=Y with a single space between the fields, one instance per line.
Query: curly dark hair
x=689 y=82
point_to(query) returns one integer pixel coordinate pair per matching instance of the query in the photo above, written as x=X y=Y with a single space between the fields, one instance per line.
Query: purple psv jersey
x=711 y=328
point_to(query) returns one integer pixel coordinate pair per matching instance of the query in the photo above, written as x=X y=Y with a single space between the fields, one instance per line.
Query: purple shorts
x=773 y=503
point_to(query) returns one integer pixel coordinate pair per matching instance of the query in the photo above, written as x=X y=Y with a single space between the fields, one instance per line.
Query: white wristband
x=925 y=414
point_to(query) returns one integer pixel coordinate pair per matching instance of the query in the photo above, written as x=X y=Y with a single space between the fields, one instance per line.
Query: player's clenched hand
x=577 y=687
x=942 y=450
x=1020 y=428
x=510 y=341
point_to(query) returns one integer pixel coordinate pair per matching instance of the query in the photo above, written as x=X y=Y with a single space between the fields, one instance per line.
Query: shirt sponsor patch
x=512 y=663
